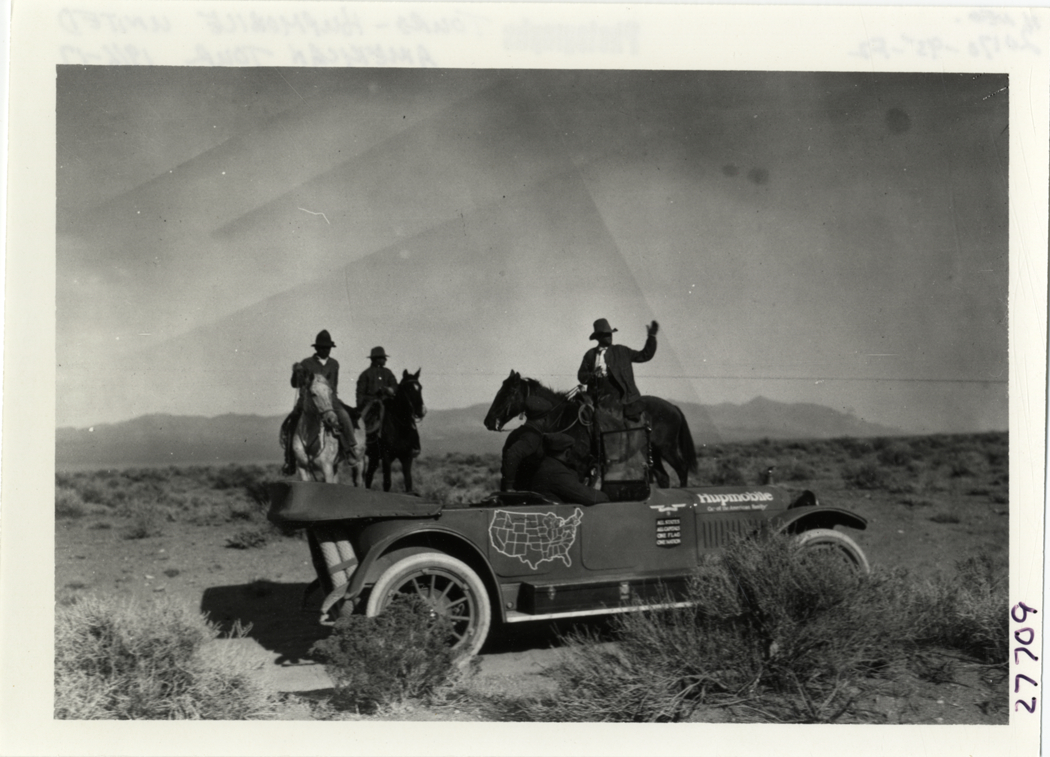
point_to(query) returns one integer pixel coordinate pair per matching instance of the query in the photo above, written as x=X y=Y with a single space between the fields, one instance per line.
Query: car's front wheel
x=449 y=586
x=836 y=545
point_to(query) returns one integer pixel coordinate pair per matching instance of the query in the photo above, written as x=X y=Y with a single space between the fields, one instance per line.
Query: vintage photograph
x=471 y=376
x=788 y=288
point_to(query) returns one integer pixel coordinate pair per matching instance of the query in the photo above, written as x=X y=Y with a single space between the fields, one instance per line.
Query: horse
x=316 y=445
x=670 y=439
x=390 y=425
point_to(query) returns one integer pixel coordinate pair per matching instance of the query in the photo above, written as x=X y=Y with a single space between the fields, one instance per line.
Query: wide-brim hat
x=377 y=352
x=601 y=326
x=555 y=443
x=536 y=407
x=324 y=339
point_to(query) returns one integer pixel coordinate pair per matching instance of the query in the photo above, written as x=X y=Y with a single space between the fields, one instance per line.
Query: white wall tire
x=836 y=542
x=450 y=586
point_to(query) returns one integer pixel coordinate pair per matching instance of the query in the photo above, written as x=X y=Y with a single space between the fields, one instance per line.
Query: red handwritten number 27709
x=1023 y=636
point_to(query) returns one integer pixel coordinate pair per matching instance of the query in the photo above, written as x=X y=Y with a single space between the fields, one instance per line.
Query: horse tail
x=685 y=442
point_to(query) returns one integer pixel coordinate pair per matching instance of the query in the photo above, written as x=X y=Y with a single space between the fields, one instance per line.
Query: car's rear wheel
x=449 y=586
x=837 y=545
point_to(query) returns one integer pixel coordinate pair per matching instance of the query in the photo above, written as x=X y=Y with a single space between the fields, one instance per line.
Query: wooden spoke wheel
x=449 y=586
x=835 y=544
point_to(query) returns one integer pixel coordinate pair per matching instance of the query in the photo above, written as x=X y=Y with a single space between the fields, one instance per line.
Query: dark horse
x=573 y=414
x=391 y=425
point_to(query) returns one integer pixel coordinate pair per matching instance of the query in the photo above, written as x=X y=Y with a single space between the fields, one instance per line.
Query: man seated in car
x=556 y=480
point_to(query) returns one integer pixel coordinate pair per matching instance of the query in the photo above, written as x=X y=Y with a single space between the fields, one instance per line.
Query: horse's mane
x=543 y=390
x=304 y=378
x=564 y=404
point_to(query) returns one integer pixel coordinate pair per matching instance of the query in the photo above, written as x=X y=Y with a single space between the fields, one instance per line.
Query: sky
x=835 y=238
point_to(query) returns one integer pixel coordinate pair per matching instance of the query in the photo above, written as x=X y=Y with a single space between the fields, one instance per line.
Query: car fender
x=381 y=544
x=805 y=518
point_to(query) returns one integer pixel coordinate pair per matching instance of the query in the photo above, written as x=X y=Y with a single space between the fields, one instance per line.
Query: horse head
x=320 y=393
x=412 y=391
x=508 y=403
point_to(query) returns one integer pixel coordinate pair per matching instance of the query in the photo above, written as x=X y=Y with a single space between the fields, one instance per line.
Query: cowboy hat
x=324 y=339
x=601 y=326
x=377 y=352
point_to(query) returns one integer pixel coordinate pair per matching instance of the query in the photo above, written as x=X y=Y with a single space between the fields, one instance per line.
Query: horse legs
x=406 y=471
x=682 y=469
x=372 y=455
x=663 y=481
x=674 y=456
x=387 y=463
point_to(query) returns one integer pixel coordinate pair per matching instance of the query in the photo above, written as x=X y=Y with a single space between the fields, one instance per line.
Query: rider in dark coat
x=377 y=382
x=319 y=363
x=554 y=478
x=523 y=450
x=607 y=370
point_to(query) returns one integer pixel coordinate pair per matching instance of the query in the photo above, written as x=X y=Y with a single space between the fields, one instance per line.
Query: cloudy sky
x=817 y=237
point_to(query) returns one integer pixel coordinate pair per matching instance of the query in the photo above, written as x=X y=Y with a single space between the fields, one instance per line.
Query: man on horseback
x=318 y=363
x=555 y=478
x=607 y=372
x=523 y=450
x=378 y=383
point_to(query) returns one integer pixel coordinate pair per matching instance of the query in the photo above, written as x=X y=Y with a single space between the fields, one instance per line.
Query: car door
x=634 y=533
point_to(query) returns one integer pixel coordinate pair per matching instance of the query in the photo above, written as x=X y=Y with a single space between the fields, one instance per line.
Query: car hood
x=722 y=499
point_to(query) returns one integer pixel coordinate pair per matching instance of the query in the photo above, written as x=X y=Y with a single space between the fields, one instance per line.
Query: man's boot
x=287 y=427
x=289 y=459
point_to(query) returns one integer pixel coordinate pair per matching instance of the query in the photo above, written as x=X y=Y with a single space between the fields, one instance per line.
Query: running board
x=513 y=616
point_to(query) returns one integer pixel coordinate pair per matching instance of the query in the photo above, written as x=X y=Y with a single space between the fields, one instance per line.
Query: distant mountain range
x=181 y=439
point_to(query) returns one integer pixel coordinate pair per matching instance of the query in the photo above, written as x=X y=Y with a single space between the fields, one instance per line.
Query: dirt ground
x=262 y=587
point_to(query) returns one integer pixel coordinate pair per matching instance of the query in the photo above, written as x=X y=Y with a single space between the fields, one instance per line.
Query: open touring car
x=516 y=556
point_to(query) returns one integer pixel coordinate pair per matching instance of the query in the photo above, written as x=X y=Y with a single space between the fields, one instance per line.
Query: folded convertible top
x=309 y=502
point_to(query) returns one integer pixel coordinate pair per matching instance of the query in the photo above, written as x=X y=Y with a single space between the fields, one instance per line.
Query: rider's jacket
x=620 y=373
x=371 y=381
x=329 y=369
x=557 y=481
x=522 y=453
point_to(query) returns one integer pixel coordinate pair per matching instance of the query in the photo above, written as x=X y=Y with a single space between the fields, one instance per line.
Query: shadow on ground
x=271 y=612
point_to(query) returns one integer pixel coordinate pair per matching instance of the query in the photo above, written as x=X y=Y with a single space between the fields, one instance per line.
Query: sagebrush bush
x=252 y=536
x=728 y=472
x=968 y=610
x=233 y=476
x=867 y=475
x=792 y=636
x=69 y=503
x=856 y=448
x=122 y=661
x=796 y=640
x=794 y=471
x=895 y=453
x=145 y=525
x=401 y=653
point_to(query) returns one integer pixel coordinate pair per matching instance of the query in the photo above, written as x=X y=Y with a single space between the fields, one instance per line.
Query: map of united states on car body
x=534 y=538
